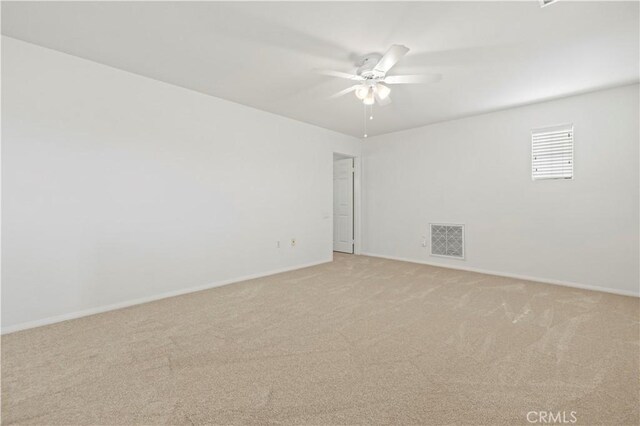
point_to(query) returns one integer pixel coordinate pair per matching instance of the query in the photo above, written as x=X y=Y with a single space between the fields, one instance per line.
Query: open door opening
x=343 y=204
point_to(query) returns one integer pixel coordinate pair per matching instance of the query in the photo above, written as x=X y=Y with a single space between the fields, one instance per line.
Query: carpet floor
x=360 y=340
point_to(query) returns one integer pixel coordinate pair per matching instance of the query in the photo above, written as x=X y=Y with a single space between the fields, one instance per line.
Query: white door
x=343 y=205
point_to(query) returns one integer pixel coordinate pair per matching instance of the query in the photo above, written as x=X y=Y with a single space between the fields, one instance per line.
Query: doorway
x=343 y=204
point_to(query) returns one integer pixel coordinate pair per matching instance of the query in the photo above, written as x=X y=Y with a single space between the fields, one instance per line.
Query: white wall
x=118 y=188
x=477 y=171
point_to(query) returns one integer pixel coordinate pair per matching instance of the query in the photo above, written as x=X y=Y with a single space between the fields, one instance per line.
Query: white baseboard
x=127 y=303
x=509 y=275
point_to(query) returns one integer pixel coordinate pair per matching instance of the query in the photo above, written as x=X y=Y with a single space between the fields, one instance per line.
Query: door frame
x=357 y=199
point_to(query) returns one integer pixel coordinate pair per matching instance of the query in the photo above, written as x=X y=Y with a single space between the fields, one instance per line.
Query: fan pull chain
x=365 y=120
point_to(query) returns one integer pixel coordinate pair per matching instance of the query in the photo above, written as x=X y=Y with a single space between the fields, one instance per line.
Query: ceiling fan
x=372 y=73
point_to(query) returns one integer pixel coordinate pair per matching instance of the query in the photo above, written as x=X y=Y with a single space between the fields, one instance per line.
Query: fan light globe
x=382 y=91
x=369 y=100
x=362 y=92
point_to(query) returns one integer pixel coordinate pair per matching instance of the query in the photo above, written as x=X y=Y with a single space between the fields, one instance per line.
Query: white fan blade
x=410 y=79
x=390 y=58
x=340 y=74
x=381 y=101
x=344 y=92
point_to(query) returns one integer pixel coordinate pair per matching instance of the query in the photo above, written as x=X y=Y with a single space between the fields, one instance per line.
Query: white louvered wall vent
x=447 y=240
x=552 y=152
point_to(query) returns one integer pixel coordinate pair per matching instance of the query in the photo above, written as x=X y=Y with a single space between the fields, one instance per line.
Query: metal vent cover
x=447 y=240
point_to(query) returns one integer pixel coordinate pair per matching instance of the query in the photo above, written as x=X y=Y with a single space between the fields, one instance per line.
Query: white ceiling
x=492 y=55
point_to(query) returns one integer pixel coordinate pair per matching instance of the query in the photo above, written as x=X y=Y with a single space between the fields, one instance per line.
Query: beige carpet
x=357 y=341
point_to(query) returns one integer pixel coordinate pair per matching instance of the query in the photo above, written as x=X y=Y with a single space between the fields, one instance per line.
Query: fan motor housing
x=367 y=65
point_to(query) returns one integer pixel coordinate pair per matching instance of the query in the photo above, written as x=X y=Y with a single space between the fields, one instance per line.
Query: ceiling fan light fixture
x=382 y=91
x=362 y=92
x=369 y=99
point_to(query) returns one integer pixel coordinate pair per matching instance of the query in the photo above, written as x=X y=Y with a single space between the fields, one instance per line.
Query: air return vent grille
x=447 y=240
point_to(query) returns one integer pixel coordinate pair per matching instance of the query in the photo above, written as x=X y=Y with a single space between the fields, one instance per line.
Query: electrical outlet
x=293 y=242
x=424 y=241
